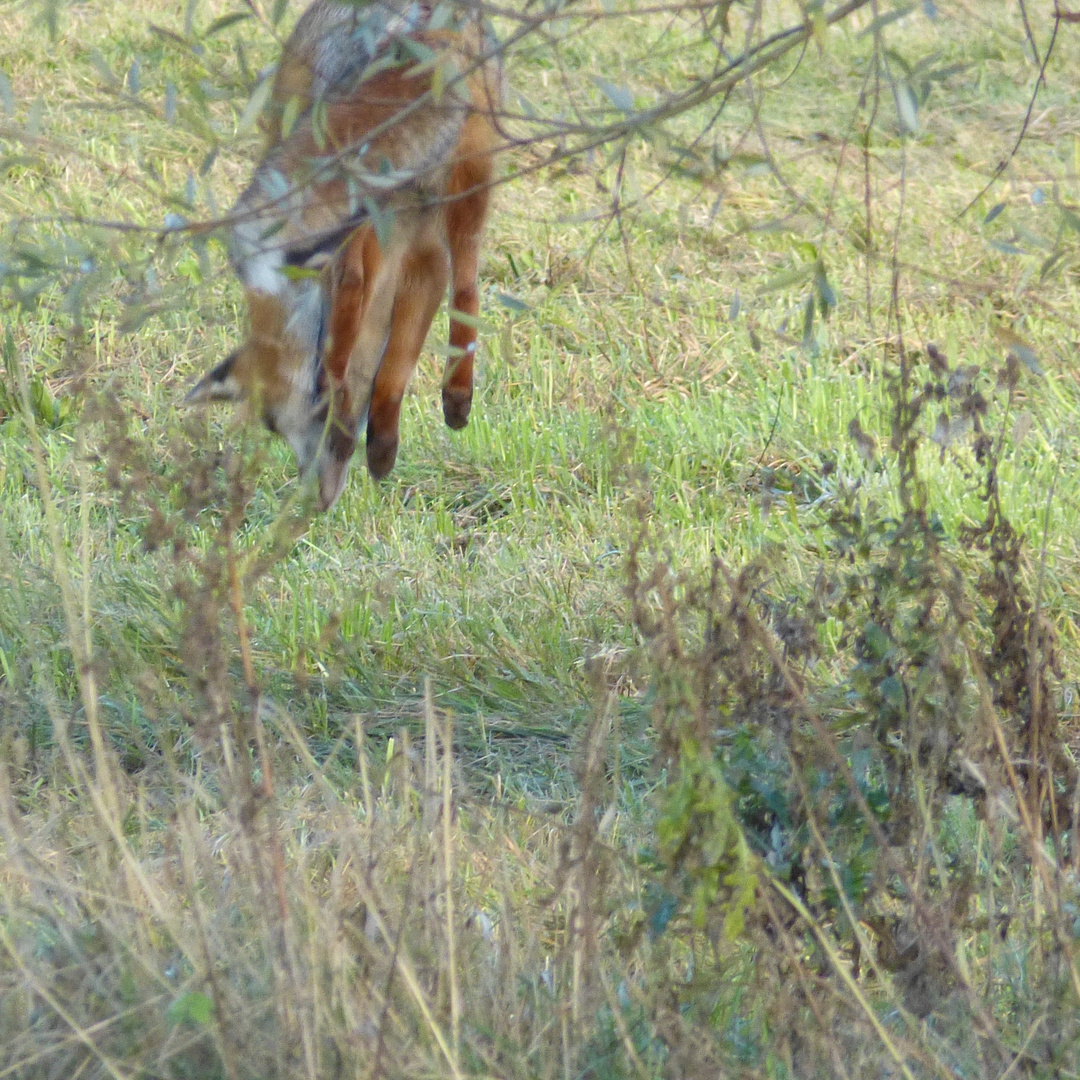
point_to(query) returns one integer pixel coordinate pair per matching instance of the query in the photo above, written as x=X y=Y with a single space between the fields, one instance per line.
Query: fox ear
x=218 y=384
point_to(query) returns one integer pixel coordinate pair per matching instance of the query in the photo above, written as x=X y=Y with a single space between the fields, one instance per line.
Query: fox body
x=371 y=198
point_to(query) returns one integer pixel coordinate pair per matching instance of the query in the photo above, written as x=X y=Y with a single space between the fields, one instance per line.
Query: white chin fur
x=261 y=273
x=257 y=260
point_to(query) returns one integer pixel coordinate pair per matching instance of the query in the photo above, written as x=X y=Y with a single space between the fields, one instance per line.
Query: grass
x=485 y=581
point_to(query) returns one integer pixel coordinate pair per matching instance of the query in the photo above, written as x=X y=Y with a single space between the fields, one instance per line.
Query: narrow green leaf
x=1050 y=264
x=242 y=61
x=438 y=81
x=1019 y=348
x=170 y=35
x=469 y=320
x=189 y=17
x=274 y=227
x=421 y=53
x=382 y=221
x=102 y=65
x=7 y=97
x=256 y=103
x=808 y=321
x=619 y=96
x=290 y=115
x=225 y=21
x=796 y=275
x=298 y=273
x=946 y=72
x=907 y=105
x=512 y=302
x=50 y=16
x=527 y=107
x=882 y=21
x=1031 y=239
x=826 y=295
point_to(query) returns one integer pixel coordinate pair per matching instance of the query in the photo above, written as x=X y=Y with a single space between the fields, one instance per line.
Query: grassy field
x=654 y=369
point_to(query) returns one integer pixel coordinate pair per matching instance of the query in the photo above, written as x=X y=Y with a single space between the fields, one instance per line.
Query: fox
x=369 y=201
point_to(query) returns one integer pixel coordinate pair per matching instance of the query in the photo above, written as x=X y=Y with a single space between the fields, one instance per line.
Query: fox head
x=279 y=378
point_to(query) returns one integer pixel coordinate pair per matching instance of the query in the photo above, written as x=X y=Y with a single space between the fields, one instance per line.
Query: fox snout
x=321 y=435
x=324 y=451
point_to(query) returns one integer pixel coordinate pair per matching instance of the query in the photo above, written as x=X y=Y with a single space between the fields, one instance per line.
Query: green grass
x=536 y=486
x=490 y=566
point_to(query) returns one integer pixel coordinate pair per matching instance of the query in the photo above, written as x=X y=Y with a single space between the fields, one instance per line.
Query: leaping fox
x=371 y=197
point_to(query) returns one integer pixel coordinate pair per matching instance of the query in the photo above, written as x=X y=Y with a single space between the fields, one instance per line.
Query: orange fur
x=358 y=117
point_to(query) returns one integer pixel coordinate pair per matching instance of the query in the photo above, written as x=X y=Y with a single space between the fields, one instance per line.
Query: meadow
x=377 y=792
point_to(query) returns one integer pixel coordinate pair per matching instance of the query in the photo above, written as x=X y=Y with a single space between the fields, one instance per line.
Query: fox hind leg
x=464 y=229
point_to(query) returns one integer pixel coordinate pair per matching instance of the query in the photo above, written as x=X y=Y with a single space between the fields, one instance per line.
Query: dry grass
x=235 y=839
